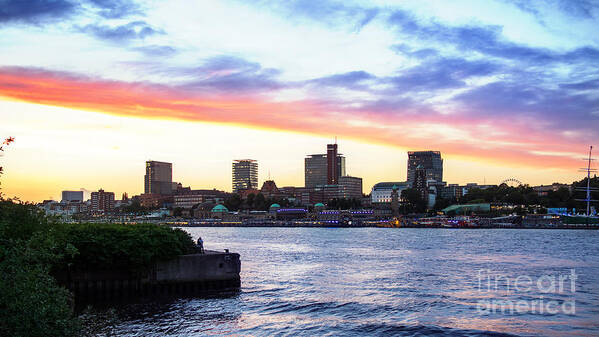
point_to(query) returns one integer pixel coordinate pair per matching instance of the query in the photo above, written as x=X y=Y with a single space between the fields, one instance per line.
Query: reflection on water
x=379 y=281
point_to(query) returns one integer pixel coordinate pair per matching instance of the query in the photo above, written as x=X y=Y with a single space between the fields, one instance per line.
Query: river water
x=385 y=281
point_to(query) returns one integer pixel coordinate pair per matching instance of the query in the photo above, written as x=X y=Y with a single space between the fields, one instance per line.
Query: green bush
x=31 y=303
x=135 y=247
x=32 y=245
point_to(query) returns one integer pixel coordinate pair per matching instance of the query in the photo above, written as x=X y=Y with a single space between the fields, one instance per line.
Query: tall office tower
x=332 y=168
x=72 y=196
x=158 y=178
x=316 y=169
x=245 y=174
x=102 y=201
x=430 y=161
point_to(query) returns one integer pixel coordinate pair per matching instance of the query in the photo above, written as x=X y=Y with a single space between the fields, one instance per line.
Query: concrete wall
x=209 y=266
x=183 y=275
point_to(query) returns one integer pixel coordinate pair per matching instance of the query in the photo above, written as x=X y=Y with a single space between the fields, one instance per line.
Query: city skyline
x=150 y=165
x=91 y=90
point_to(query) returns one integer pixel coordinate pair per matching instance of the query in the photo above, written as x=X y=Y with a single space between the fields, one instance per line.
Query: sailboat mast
x=589 y=183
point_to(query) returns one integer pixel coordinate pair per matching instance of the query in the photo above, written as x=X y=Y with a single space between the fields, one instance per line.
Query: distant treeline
x=526 y=196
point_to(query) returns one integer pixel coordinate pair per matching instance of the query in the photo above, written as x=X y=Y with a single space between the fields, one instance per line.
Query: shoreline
x=580 y=227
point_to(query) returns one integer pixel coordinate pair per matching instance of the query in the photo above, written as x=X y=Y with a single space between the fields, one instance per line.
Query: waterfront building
x=291 y=213
x=219 y=212
x=102 y=201
x=202 y=211
x=245 y=174
x=430 y=161
x=70 y=196
x=467 y=209
x=189 y=198
x=316 y=168
x=158 y=178
x=274 y=208
x=382 y=192
x=350 y=187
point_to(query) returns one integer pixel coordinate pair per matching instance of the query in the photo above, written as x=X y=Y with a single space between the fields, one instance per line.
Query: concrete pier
x=183 y=275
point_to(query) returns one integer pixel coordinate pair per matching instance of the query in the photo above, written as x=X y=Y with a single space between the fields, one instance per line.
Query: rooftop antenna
x=588 y=189
x=335 y=140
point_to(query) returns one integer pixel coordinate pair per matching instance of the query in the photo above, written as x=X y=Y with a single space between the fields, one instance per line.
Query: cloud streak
x=130 y=31
x=466 y=135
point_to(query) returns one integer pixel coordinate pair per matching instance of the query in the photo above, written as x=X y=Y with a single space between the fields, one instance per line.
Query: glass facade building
x=430 y=161
x=158 y=178
x=316 y=169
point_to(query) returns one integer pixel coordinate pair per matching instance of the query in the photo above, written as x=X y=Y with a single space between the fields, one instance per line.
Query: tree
x=249 y=201
x=177 y=211
x=442 y=203
x=31 y=302
x=6 y=142
x=260 y=202
x=234 y=202
x=413 y=201
x=135 y=207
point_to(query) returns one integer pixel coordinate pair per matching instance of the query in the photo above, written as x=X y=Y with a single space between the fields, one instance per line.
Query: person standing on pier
x=201 y=245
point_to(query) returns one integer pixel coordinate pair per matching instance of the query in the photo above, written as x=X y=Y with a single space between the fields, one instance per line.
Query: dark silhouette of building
x=158 y=178
x=72 y=196
x=430 y=161
x=395 y=201
x=419 y=183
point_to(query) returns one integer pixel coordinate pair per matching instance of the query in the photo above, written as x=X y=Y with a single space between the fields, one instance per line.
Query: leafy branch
x=6 y=142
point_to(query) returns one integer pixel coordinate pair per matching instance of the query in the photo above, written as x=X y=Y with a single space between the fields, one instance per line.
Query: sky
x=92 y=89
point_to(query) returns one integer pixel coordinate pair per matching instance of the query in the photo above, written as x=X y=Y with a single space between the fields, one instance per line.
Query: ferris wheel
x=512 y=182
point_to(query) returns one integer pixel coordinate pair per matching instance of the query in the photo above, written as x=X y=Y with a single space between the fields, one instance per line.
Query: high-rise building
x=245 y=174
x=350 y=187
x=76 y=196
x=102 y=201
x=158 y=178
x=332 y=173
x=430 y=161
x=316 y=169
